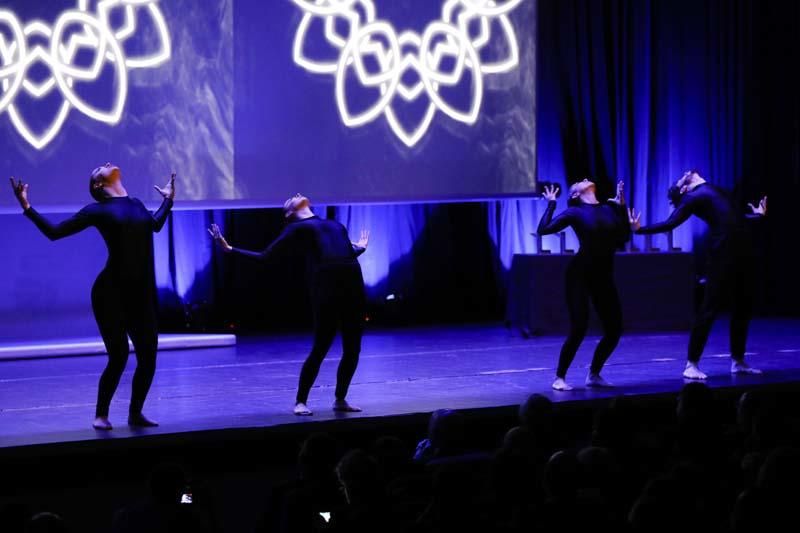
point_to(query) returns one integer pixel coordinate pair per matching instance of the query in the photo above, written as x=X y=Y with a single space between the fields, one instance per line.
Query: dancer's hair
x=98 y=193
x=674 y=195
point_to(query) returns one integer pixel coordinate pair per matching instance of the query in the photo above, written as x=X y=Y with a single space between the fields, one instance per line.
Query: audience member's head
x=695 y=404
x=516 y=469
x=750 y=465
x=748 y=514
x=360 y=478
x=392 y=456
x=317 y=457
x=597 y=467
x=447 y=432
x=771 y=505
x=747 y=409
x=614 y=425
x=519 y=440
x=651 y=515
x=780 y=472
x=536 y=414
x=46 y=523
x=561 y=476
x=660 y=509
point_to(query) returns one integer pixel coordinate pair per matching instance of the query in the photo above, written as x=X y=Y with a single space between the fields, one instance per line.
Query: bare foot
x=343 y=407
x=740 y=367
x=102 y=423
x=597 y=381
x=301 y=409
x=141 y=421
x=692 y=371
x=560 y=384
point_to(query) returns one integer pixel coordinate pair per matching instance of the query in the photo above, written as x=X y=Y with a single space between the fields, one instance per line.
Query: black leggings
x=121 y=312
x=338 y=301
x=725 y=279
x=586 y=284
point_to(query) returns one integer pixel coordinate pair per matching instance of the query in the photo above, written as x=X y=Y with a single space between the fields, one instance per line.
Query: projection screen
x=250 y=101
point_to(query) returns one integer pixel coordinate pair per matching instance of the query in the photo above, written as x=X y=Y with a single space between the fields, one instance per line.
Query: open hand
x=363 y=242
x=21 y=193
x=216 y=234
x=550 y=193
x=168 y=192
x=761 y=210
x=620 y=198
x=634 y=219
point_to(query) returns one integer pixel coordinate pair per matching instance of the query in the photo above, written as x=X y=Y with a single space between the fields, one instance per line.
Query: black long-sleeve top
x=320 y=242
x=726 y=225
x=601 y=228
x=126 y=227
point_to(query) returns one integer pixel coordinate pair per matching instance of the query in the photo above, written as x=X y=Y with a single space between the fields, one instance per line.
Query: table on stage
x=656 y=290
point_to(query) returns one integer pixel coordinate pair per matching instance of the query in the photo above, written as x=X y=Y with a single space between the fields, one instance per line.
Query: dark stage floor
x=401 y=372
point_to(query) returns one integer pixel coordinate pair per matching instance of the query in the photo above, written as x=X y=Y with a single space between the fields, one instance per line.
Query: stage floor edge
x=76 y=347
x=248 y=388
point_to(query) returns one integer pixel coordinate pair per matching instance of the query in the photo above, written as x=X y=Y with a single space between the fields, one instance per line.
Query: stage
x=250 y=386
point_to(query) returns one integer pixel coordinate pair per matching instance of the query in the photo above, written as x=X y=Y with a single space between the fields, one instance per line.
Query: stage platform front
x=250 y=386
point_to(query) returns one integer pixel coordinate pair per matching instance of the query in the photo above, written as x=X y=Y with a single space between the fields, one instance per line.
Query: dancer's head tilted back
x=298 y=207
x=583 y=192
x=689 y=178
x=102 y=179
x=688 y=181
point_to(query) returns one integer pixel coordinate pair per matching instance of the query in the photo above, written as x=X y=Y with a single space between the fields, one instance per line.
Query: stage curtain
x=642 y=91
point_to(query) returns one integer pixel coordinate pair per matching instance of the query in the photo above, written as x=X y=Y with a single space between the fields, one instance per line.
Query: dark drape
x=772 y=145
x=643 y=91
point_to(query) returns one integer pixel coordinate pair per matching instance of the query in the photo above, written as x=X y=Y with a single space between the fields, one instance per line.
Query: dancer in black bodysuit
x=730 y=266
x=601 y=230
x=124 y=294
x=336 y=287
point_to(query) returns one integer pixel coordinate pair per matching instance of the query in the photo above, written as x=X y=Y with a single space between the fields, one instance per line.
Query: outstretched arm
x=547 y=225
x=278 y=247
x=680 y=215
x=168 y=193
x=76 y=223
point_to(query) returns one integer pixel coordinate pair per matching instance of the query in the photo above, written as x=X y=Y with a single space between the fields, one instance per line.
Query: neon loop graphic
x=396 y=54
x=94 y=32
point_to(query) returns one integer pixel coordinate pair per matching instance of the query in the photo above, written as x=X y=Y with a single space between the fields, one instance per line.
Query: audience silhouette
x=641 y=465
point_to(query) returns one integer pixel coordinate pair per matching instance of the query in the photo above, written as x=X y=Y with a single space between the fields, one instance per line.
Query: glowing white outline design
x=16 y=58
x=369 y=36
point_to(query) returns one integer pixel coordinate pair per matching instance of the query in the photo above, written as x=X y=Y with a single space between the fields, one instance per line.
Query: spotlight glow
x=94 y=33
x=397 y=53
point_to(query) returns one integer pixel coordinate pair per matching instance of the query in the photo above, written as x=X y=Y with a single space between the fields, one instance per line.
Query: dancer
x=336 y=287
x=730 y=264
x=124 y=294
x=601 y=230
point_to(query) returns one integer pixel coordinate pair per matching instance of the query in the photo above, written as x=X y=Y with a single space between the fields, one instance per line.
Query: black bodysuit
x=730 y=265
x=601 y=229
x=124 y=294
x=337 y=293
